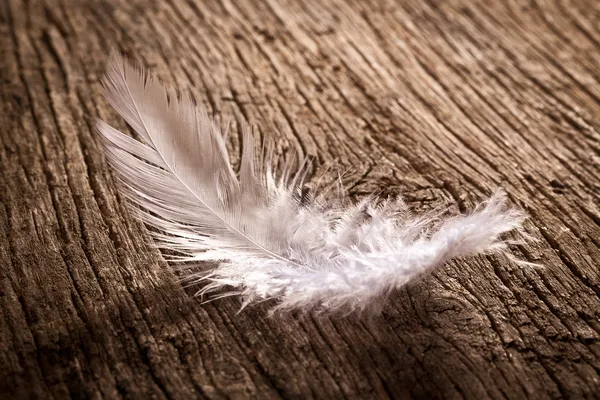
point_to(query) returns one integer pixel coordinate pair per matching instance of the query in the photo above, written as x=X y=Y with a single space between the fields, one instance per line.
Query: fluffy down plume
x=255 y=233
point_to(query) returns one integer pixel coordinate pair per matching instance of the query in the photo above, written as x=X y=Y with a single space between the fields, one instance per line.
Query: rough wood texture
x=441 y=101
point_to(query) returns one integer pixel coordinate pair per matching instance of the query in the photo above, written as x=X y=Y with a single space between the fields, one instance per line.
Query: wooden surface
x=440 y=101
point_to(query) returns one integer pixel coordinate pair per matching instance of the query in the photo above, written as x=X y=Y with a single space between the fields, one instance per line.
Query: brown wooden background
x=440 y=101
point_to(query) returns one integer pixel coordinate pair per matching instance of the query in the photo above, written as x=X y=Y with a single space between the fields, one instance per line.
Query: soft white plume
x=254 y=232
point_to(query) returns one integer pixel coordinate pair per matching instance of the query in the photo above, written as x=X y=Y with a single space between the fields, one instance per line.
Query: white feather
x=257 y=233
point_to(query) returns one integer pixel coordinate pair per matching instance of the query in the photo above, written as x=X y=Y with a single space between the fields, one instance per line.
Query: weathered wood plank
x=440 y=101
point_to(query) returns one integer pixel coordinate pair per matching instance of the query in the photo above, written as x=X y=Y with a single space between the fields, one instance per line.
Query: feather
x=255 y=233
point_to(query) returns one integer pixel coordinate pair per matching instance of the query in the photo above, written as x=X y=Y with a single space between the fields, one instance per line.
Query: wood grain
x=440 y=101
